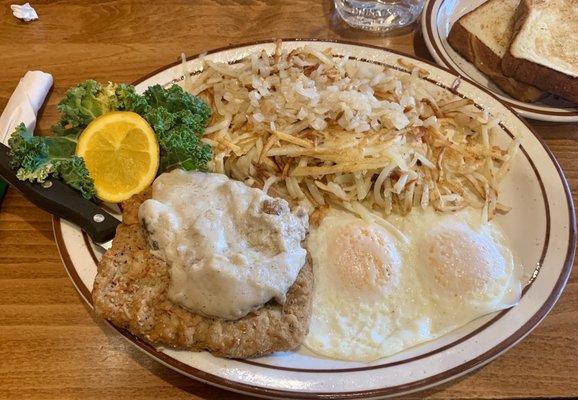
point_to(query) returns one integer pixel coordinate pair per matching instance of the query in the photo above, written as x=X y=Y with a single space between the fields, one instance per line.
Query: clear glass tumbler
x=379 y=15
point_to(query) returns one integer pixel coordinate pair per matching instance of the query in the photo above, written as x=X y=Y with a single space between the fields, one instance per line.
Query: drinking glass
x=379 y=15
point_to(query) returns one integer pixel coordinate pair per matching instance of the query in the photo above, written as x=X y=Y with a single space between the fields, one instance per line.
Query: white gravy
x=230 y=248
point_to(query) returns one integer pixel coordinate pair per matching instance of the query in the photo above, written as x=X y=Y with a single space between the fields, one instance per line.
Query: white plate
x=437 y=19
x=541 y=227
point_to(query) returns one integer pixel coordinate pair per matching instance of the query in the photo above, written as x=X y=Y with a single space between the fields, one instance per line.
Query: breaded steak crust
x=131 y=287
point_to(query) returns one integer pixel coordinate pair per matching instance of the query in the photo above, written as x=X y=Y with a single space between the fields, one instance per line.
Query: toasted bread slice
x=544 y=49
x=482 y=37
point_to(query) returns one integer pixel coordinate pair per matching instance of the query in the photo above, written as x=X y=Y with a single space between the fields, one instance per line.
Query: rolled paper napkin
x=23 y=107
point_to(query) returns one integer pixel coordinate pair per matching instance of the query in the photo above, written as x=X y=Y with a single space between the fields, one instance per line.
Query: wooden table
x=51 y=346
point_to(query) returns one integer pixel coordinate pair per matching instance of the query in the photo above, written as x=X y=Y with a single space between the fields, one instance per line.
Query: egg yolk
x=464 y=262
x=364 y=259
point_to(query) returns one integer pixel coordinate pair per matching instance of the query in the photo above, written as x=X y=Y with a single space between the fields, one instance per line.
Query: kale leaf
x=178 y=119
x=88 y=100
x=37 y=157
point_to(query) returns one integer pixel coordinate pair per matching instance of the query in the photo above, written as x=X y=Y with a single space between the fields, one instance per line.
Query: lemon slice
x=121 y=153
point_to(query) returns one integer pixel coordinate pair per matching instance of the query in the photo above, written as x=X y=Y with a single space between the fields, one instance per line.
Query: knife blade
x=63 y=201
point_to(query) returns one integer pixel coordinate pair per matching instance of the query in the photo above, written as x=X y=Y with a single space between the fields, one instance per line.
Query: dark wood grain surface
x=51 y=347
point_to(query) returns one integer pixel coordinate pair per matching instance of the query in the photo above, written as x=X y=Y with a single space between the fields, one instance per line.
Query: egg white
x=375 y=296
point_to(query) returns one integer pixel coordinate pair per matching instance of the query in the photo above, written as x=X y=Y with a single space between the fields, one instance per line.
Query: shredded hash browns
x=322 y=130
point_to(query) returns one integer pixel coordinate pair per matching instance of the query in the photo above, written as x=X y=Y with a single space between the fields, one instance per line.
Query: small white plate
x=541 y=227
x=437 y=19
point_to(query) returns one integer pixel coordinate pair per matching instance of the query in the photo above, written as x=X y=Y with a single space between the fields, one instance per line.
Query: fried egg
x=376 y=295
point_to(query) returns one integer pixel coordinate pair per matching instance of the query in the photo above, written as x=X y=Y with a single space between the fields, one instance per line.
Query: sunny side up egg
x=376 y=295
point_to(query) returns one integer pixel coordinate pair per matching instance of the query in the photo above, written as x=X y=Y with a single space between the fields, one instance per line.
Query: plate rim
x=413 y=386
x=429 y=19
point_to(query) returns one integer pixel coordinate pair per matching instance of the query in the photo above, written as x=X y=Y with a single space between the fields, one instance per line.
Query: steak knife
x=63 y=201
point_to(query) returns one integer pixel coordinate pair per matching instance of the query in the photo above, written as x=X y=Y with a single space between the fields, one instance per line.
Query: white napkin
x=24 y=12
x=25 y=103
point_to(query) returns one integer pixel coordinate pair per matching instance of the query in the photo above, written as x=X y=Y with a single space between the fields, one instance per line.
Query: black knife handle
x=63 y=201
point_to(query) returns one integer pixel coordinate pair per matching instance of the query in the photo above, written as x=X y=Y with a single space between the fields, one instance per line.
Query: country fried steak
x=131 y=288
